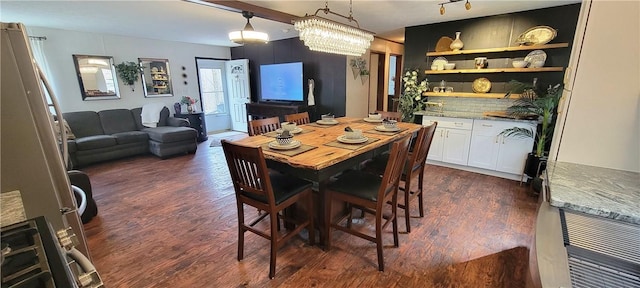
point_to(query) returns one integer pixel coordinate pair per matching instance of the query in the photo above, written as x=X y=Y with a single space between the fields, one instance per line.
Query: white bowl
x=376 y=116
x=355 y=134
x=288 y=126
x=390 y=124
x=449 y=66
x=519 y=63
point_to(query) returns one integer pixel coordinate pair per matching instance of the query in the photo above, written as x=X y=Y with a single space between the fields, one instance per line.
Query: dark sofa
x=117 y=133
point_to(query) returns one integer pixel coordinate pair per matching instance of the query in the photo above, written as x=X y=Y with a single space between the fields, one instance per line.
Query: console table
x=261 y=110
x=196 y=121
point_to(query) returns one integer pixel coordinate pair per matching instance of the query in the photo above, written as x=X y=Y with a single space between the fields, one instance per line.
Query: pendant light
x=247 y=35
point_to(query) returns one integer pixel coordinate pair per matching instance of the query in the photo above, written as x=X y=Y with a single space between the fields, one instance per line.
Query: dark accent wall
x=492 y=32
x=327 y=70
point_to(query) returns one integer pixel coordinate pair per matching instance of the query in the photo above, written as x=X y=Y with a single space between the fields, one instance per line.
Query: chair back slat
x=422 y=145
x=248 y=170
x=261 y=126
x=391 y=115
x=393 y=171
x=299 y=118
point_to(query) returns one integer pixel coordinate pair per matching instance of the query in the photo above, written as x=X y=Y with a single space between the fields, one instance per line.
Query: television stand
x=263 y=110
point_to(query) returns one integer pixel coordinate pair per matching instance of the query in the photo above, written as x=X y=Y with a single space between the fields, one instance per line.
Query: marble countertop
x=468 y=115
x=605 y=192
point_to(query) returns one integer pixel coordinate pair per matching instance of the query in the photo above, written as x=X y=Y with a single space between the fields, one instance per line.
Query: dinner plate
x=372 y=120
x=481 y=85
x=385 y=129
x=325 y=122
x=293 y=145
x=344 y=139
x=439 y=61
x=538 y=35
x=294 y=131
x=536 y=55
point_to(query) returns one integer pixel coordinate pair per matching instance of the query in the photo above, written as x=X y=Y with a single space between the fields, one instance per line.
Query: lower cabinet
x=196 y=121
x=492 y=151
x=451 y=141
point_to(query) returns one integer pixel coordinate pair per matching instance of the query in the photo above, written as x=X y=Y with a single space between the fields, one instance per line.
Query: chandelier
x=247 y=34
x=324 y=35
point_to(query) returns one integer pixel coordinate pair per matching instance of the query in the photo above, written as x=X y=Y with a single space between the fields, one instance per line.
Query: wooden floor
x=172 y=223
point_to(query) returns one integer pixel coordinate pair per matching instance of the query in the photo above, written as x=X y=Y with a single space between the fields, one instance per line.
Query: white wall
x=61 y=44
x=603 y=118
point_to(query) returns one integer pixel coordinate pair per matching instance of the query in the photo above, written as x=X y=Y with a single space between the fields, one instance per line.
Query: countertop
x=11 y=209
x=605 y=192
x=469 y=115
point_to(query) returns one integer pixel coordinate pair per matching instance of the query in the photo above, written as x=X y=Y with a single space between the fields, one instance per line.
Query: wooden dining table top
x=324 y=156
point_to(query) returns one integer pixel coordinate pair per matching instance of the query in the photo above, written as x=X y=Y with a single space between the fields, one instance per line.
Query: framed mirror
x=97 y=77
x=156 y=78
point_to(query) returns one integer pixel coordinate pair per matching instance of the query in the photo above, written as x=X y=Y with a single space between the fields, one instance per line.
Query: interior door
x=213 y=94
x=239 y=92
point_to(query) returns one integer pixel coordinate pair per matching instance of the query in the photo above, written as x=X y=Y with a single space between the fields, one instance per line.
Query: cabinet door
x=513 y=154
x=456 y=146
x=435 y=151
x=483 y=152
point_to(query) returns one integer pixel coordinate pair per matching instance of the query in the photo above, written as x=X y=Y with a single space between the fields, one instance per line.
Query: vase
x=457 y=43
x=189 y=109
x=177 y=107
x=355 y=72
x=364 y=78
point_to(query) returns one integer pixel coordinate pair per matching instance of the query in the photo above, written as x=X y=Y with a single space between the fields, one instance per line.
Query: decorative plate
x=293 y=145
x=372 y=120
x=294 y=131
x=385 y=129
x=536 y=55
x=326 y=122
x=344 y=139
x=154 y=69
x=538 y=35
x=439 y=61
x=443 y=44
x=481 y=85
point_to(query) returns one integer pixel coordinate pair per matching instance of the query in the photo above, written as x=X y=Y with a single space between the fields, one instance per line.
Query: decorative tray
x=538 y=35
x=536 y=55
x=481 y=85
x=443 y=44
x=439 y=62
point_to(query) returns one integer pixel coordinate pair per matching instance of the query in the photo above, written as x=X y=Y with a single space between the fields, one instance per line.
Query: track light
x=467 y=5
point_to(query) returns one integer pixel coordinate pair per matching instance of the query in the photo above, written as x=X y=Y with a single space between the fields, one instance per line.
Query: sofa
x=117 y=133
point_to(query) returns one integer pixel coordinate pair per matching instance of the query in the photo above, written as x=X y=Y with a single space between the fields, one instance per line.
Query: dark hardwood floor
x=172 y=223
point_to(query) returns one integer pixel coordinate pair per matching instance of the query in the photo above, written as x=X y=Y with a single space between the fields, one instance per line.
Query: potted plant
x=357 y=66
x=543 y=104
x=412 y=99
x=129 y=72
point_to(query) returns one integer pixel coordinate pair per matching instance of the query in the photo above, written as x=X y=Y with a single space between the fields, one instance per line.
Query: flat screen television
x=281 y=82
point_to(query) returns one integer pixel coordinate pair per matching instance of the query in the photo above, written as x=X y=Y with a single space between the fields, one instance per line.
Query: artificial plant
x=129 y=72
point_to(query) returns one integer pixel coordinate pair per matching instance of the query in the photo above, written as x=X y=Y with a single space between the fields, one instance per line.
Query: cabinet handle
x=497 y=139
x=447 y=133
x=458 y=123
x=441 y=131
x=487 y=125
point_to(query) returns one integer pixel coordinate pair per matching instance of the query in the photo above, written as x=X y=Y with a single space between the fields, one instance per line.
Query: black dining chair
x=369 y=193
x=268 y=191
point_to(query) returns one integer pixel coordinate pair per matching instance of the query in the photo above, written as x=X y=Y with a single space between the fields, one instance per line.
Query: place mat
x=374 y=131
x=314 y=124
x=274 y=134
x=339 y=144
x=293 y=152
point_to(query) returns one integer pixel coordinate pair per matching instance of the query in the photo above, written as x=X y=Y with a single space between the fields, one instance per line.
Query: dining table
x=322 y=152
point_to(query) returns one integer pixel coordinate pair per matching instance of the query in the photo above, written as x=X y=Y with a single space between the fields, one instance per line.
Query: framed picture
x=156 y=79
x=97 y=77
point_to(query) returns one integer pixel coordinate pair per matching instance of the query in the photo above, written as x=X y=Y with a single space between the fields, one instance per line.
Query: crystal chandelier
x=324 y=35
x=247 y=34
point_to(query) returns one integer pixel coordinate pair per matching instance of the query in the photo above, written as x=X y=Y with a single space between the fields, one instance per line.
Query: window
x=211 y=89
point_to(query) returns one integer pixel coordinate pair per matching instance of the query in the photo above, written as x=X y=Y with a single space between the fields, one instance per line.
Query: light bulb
x=442 y=9
x=467 y=5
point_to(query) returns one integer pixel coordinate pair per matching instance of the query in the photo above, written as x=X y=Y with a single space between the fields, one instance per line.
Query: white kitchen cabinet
x=451 y=140
x=489 y=150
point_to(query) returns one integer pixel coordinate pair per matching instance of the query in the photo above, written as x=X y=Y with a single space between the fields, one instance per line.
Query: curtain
x=37 y=44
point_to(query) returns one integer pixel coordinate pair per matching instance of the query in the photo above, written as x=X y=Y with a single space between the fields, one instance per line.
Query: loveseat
x=117 y=133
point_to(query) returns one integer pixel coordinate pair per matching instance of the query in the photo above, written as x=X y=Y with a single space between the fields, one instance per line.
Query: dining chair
x=261 y=126
x=298 y=118
x=369 y=193
x=414 y=168
x=391 y=115
x=269 y=191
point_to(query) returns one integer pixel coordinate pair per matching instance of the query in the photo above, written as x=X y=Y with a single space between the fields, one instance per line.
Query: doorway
x=212 y=84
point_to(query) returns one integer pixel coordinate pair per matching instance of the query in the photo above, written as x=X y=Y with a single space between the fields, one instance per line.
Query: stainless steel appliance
x=32 y=163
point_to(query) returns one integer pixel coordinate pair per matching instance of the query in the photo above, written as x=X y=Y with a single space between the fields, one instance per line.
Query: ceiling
x=191 y=22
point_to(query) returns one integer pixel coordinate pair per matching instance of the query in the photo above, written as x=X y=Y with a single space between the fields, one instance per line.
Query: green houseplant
x=542 y=103
x=129 y=72
x=411 y=99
